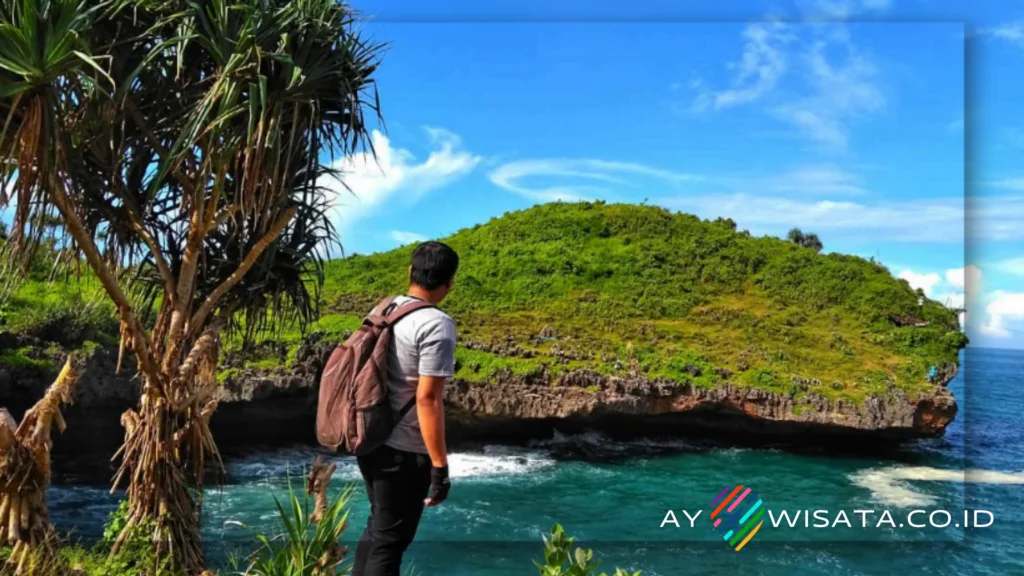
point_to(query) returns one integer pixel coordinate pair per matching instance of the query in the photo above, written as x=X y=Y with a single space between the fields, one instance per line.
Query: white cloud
x=824 y=180
x=839 y=92
x=762 y=64
x=964 y=279
x=1011 y=32
x=954 y=288
x=1013 y=266
x=995 y=218
x=932 y=220
x=840 y=9
x=926 y=282
x=606 y=174
x=833 y=84
x=1005 y=312
x=395 y=176
x=404 y=238
x=1013 y=183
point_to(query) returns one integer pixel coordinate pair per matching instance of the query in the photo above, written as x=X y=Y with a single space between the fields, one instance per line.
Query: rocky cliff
x=277 y=406
x=619 y=317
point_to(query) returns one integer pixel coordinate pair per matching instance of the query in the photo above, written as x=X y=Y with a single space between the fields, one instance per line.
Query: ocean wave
x=890 y=485
x=497 y=461
x=276 y=467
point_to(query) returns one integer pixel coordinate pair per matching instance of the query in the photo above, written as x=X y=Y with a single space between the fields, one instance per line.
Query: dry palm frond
x=317 y=483
x=25 y=474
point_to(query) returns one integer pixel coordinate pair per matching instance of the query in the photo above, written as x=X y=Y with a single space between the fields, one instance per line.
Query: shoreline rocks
x=277 y=405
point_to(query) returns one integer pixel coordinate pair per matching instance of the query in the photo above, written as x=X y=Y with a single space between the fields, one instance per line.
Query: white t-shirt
x=423 y=343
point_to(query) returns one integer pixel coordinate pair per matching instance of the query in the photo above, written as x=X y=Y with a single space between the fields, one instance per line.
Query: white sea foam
x=493 y=461
x=497 y=462
x=890 y=485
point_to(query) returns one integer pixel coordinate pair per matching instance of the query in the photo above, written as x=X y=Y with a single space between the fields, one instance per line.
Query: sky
x=887 y=127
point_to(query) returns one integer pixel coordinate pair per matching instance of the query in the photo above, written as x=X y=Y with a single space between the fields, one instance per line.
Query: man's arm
x=436 y=365
x=430 y=410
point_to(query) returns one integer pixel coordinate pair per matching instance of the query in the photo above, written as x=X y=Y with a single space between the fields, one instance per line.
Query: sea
x=948 y=505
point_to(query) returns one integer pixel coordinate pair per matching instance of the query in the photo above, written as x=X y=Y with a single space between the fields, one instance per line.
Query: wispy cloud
x=762 y=65
x=832 y=83
x=820 y=180
x=1011 y=183
x=992 y=218
x=395 y=176
x=840 y=91
x=1012 y=32
x=1013 y=266
x=995 y=218
x=815 y=10
x=404 y=238
x=933 y=220
x=603 y=177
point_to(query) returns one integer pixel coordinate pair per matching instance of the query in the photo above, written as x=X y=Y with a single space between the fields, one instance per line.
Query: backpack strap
x=392 y=313
x=405 y=409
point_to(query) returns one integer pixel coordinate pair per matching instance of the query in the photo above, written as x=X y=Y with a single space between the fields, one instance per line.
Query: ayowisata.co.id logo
x=738 y=513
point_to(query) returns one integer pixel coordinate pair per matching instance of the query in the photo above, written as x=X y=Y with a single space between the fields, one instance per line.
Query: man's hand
x=440 y=484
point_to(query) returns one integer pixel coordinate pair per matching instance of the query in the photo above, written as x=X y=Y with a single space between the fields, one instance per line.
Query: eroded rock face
x=100 y=384
x=521 y=406
x=584 y=395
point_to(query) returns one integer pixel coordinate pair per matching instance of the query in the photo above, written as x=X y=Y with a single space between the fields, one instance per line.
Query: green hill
x=672 y=295
x=620 y=288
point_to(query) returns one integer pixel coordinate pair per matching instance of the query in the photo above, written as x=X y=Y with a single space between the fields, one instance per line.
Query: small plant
x=561 y=560
x=305 y=546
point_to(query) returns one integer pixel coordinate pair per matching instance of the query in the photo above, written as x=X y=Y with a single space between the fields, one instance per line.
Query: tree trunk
x=164 y=453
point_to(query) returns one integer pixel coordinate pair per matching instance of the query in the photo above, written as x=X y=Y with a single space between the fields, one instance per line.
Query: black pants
x=397 y=482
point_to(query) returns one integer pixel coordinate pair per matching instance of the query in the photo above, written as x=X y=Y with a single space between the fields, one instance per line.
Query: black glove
x=440 y=484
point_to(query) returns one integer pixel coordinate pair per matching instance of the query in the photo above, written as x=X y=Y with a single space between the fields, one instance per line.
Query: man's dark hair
x=433 y=264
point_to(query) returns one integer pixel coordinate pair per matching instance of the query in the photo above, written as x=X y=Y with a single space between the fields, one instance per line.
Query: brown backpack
x=353 y=411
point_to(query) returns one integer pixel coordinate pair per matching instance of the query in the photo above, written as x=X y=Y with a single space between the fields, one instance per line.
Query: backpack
x=354 y=413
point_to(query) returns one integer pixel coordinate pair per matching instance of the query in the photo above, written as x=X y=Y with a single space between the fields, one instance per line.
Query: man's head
x=433 y=270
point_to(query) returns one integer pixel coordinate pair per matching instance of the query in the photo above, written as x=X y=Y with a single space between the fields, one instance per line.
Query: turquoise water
x=503 y=499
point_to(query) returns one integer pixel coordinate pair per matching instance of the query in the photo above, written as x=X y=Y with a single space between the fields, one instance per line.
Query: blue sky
x=842 y=117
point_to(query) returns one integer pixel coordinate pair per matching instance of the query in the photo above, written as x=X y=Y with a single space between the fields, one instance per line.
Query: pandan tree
x=184 y=147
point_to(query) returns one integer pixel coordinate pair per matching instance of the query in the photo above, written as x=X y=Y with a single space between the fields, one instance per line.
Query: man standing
x=400 y=474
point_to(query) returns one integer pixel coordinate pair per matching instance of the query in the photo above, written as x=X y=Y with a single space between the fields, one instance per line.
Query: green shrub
x=135 y=557
x=561 y=560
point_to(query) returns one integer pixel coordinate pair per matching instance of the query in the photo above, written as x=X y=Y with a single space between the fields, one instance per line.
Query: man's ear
x=410 y=273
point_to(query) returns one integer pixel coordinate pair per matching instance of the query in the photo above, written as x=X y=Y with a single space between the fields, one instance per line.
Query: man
x=414 y=459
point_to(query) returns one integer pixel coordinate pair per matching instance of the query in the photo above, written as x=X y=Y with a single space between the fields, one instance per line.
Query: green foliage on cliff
x=622 y=287
x=627 y=286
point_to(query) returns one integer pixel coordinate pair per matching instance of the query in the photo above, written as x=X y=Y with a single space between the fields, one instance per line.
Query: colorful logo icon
x=736 y=515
